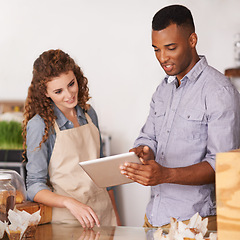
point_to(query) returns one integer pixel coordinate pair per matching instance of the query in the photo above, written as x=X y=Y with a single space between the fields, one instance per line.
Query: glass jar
x=18 y=183
x=237 y=50
x=7 y=196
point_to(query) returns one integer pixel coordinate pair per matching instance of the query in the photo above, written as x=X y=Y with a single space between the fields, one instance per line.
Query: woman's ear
x=46 y=95
x=193 y=40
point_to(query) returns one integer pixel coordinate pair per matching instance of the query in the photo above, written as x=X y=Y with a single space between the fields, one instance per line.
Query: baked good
x=19 y=197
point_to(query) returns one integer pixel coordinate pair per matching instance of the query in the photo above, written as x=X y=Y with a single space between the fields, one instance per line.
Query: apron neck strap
x=89 y=120
x=56 y=127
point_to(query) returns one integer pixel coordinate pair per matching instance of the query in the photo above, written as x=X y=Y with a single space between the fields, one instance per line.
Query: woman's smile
x=63 y=91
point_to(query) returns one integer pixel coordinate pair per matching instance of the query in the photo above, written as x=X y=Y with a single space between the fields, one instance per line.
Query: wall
x=111 y=41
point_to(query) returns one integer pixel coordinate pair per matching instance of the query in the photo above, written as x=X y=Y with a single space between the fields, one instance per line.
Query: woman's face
x=63 y=90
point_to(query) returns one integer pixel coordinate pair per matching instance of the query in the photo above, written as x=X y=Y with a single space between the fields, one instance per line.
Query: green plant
x=10 y=135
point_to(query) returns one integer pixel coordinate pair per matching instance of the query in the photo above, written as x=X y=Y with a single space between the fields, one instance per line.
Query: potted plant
x=11 y=141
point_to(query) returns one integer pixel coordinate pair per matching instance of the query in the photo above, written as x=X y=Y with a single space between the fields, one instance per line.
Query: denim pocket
x=191 y=124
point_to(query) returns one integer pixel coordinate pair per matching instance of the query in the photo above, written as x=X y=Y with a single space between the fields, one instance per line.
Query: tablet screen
x=105 y=171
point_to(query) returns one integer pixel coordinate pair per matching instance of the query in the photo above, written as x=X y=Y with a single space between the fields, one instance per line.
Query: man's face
x=174 y=50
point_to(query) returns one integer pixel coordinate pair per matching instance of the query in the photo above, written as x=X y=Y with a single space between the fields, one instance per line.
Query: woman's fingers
x=89 y=220
x=95 y=217
x=84 y=214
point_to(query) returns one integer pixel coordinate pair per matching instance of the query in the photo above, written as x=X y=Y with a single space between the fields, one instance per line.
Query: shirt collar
x=193 y=74
x=61 y=119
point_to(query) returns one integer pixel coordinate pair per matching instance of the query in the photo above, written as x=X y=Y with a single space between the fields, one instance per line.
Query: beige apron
x=69 y=179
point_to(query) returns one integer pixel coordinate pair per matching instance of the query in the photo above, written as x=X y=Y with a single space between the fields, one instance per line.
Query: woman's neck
x=71 y=115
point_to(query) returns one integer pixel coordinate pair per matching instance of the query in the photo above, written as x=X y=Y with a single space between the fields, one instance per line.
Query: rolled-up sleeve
x=37 y=165
x=223 y=123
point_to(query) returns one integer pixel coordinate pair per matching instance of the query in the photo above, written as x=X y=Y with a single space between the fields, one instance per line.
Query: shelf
x=11 y=106
x=232 y=72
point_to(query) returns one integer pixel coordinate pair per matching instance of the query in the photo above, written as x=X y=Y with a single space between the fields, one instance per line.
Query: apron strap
x=89 y=120
x=56 y=127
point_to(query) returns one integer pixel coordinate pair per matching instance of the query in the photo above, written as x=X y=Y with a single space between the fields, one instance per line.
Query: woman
x=60 y=130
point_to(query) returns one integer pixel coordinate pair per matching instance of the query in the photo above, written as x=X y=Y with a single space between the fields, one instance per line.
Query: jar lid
x=5 y=176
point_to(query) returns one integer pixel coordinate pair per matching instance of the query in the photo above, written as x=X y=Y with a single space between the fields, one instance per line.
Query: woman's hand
x=84 y=214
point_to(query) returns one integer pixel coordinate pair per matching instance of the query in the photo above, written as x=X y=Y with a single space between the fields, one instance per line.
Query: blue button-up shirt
x=38 y=159
x=188 y=124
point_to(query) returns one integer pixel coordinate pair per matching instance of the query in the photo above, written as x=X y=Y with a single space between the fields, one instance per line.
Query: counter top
x=51 y=231
x=65 y=231
x=73 y=232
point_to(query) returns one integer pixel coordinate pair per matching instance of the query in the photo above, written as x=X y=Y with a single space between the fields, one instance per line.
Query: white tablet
x=105 y=171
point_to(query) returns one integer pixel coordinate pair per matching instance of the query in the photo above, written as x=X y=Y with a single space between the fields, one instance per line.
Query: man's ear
x=193 y=40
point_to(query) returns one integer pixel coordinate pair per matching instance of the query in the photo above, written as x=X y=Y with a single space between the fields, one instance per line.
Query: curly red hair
x=48 y=65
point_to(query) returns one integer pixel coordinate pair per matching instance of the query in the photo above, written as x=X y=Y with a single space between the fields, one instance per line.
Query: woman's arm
x=37 y=158
x=84 y=214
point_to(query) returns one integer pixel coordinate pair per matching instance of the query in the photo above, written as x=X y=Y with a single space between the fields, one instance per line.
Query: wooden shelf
x=232 y=72
x=11 y=106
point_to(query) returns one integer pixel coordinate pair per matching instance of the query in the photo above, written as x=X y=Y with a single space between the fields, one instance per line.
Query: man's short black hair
x=173 y=14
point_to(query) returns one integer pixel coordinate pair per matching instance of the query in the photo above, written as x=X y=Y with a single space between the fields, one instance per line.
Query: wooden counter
x=232 y=72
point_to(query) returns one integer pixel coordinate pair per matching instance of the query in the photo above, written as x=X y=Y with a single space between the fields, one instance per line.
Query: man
x=194 y=113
